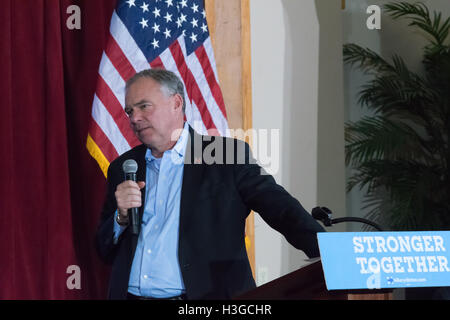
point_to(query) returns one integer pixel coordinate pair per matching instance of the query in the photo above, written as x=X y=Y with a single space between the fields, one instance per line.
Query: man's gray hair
x=168 y=80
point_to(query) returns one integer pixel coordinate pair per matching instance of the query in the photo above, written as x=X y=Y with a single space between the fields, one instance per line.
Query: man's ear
x=178 y=102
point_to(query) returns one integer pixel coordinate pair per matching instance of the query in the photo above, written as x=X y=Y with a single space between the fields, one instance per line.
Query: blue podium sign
x=375 y=260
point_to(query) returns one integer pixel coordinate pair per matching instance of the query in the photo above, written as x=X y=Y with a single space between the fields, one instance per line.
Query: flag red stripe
x=102 y=141
x=192 y=87
x=113 y=106
x=211 y=78
x=119 y=59
x=157 y=63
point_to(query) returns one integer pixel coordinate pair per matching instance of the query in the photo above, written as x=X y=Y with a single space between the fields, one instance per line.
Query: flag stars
x=179 y=23
x=190 y=19
x=131 y=3
x=144 y=22
x=167 y=33
x=183 y=18
x=155 y=44
x=155 y=28
x=156 y=12
x=193 y=37
x=144 y=7
x=168 y=17
x=183 y=3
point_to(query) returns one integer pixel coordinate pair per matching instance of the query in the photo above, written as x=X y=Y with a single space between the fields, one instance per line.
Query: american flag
x=169 y=34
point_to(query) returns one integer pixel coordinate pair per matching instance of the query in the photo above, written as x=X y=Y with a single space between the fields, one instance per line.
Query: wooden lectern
x=308 y=283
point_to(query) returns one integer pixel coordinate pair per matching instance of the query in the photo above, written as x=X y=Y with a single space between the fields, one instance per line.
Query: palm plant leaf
x=366 y=59
x=373 y=138
x=420 y=17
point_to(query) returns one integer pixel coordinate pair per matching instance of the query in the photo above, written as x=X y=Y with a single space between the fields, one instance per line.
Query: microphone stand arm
x=355 y=219
x=324 y=214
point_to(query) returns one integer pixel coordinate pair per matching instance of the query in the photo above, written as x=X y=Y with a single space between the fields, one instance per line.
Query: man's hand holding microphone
x=128 y=197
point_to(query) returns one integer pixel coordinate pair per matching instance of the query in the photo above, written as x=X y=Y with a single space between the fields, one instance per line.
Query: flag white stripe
x=106 y=122
x=113 y=79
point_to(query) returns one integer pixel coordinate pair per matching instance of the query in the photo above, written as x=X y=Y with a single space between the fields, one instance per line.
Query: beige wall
x=297 y=88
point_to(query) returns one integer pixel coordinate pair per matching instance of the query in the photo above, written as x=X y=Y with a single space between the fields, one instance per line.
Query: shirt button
x=145 y=276
x=156 y=227
x=149 y=251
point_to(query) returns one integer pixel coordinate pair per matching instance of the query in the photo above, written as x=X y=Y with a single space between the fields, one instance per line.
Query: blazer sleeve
x=275 y=205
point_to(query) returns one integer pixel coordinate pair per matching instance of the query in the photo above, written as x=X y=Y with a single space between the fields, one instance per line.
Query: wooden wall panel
x=225 y=29
x=229 y=27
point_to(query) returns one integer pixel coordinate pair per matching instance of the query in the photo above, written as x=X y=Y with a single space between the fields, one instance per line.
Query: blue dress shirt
x=155 y=271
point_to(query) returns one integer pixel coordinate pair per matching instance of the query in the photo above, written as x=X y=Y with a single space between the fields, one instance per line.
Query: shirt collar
x=179 y=148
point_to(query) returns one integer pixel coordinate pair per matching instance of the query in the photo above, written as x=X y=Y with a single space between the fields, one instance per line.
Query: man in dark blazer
x=221 y=183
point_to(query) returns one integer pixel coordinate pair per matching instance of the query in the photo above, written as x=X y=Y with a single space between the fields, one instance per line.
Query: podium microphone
x=130 y=168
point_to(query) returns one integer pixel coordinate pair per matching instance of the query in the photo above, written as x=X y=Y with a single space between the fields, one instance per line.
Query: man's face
x=153 y=114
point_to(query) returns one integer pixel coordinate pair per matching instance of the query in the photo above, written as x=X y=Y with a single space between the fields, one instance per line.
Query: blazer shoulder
x=135 y=153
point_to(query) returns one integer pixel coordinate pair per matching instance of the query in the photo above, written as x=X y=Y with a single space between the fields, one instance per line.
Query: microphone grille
x=130 y=166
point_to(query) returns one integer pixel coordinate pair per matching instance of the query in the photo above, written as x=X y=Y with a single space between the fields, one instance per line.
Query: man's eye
x=128 y=112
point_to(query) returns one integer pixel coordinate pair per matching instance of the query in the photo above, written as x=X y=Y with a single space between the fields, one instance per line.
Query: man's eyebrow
x=138 y=103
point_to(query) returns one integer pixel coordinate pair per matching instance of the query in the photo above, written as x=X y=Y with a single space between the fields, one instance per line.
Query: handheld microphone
x=130 y=168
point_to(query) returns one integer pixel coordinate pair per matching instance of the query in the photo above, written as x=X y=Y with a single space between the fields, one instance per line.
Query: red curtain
x=51 y=189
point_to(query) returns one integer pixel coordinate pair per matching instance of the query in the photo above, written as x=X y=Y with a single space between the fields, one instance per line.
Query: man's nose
x=136 y=116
